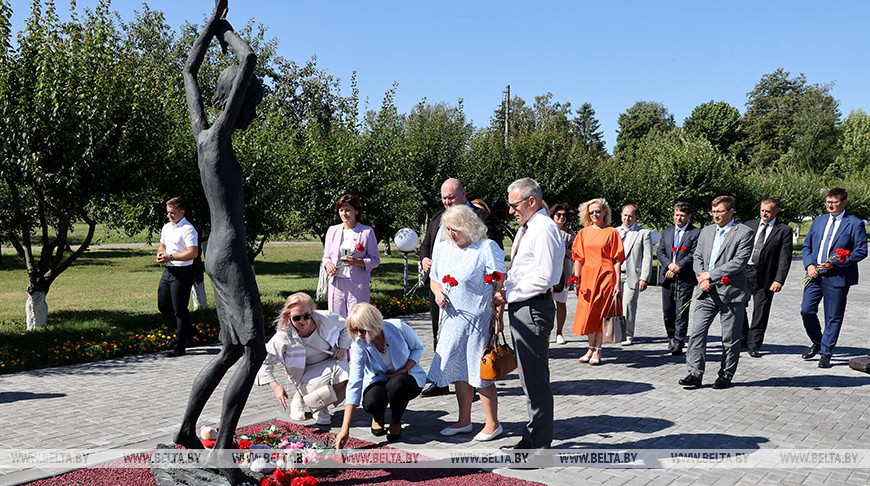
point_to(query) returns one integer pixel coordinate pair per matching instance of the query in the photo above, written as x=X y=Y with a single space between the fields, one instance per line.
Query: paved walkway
x=631 y=401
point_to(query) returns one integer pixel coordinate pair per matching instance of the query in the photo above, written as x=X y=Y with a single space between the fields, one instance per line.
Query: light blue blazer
x=366 y=366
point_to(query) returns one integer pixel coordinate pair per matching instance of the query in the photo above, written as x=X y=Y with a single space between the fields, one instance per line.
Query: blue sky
x=610 y=54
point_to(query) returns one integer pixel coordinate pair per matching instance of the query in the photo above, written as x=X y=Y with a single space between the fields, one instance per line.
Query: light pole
x=406 y=240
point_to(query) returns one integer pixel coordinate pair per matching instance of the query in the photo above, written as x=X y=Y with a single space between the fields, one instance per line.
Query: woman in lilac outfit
x=350 y=253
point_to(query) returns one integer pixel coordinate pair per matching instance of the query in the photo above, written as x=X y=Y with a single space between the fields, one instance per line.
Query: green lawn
x=110 y=295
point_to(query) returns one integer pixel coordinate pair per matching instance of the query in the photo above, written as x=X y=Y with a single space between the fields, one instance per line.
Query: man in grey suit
x=638 y=266
x=720 y=261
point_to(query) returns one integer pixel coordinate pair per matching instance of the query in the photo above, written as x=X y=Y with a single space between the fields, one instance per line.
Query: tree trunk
x=37 y=310
x=200 y=300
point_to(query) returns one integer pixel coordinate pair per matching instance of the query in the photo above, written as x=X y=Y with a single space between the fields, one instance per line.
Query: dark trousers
x=173 y=295
x=677 y=326
x=762 y=297
x=395 y=392
x=531 y=322
x=835 y=306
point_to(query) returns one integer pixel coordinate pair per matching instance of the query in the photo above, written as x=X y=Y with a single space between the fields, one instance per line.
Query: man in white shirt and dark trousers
x=178 y=248
x=536 y=266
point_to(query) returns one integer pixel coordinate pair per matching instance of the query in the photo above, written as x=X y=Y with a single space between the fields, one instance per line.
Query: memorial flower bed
x=70 y=350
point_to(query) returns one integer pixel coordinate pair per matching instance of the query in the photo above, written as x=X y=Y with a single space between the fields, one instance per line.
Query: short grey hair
x=528 y=188
x=365 y=316
x=461 y=218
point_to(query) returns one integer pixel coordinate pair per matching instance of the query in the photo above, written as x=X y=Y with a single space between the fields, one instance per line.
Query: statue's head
x=253 y=96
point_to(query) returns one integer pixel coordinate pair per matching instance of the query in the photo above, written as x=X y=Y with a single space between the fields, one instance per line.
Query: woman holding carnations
x=350 y=252
x=312 y=346
x=466 y=271
x=559 y=213
x=598 y=254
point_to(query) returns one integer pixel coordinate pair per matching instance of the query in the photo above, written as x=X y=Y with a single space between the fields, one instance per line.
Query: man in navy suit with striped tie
x=831 y=275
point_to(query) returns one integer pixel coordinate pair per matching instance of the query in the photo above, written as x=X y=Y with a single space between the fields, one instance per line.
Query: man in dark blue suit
x=676 y=277
x=831 y=277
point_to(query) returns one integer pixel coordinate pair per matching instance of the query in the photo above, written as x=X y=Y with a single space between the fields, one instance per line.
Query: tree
x=716 y=121
x=643 y=118
x=854 y=152
x=436 y=148
x=80 y=123
x=666 y=168
x=789 y=123
x=587 y=132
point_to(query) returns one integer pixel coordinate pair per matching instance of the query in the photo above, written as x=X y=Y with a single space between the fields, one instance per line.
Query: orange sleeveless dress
x=597 y=249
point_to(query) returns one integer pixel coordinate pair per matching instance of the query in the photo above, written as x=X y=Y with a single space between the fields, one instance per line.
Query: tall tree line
x=95 y=129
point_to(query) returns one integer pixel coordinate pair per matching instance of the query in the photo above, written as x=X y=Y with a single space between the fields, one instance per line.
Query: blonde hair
x=585 y=220
x=282 y=322
x=461 y=218
x=367 y=317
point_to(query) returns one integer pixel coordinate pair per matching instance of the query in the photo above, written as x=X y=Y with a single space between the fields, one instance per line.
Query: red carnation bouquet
x=360 y=247
x=493 y=278
x=725 y=281
x=840 y=255
x=573 y=280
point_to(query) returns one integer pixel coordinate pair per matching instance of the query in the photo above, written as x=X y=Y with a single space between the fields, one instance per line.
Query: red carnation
x=573 y=280
x=304 y=481
x=497 y=276
x=445 y=279
x=842 y=254
x=453 y=282
x=245 y=444
x=674 y=249
x=683 y=248
x=360 y=247
x=269 y=481
x=280 y=476
x=487 y=278
x=726 y=281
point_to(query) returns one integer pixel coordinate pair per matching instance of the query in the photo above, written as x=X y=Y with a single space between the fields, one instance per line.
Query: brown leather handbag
x=498 y=360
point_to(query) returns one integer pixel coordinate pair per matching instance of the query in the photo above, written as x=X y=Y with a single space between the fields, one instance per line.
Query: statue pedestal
x=168 y=473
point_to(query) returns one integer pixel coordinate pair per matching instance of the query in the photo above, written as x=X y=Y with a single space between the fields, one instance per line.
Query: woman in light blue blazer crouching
x=384 y=370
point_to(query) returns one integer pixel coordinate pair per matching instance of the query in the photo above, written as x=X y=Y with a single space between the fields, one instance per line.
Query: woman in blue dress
x=467 y=269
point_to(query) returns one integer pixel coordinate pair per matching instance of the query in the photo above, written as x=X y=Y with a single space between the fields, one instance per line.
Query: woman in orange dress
x=597 y=254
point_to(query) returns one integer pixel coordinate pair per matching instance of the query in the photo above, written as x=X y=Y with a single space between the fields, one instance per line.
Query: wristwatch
x=171 y=257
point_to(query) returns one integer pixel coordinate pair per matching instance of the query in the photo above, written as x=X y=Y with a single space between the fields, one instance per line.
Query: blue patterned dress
x=465 y=323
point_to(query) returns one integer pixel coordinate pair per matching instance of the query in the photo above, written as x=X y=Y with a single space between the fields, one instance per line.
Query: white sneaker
x=627 y=341
x=560 y=339
x=323 y=417
x=297 y=408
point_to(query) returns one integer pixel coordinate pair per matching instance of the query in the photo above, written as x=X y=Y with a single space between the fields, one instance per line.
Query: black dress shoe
x=431 y=390
x=174 y=353
x=671 y=344
x=811 y=351
x=678 y=349
x=721 y=383
x=521 y=445
x=393 y=437
x=379 y=432
x=754 y=353
x=825 y=362
x=691 y=381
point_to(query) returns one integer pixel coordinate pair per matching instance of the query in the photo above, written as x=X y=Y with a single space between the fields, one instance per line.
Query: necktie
x=717 y=245
x=516 y=245
x=678 y=237
x=756 y=251
x=824 y=249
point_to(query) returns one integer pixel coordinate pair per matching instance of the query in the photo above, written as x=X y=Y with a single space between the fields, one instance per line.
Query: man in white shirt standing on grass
x=178 y=248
